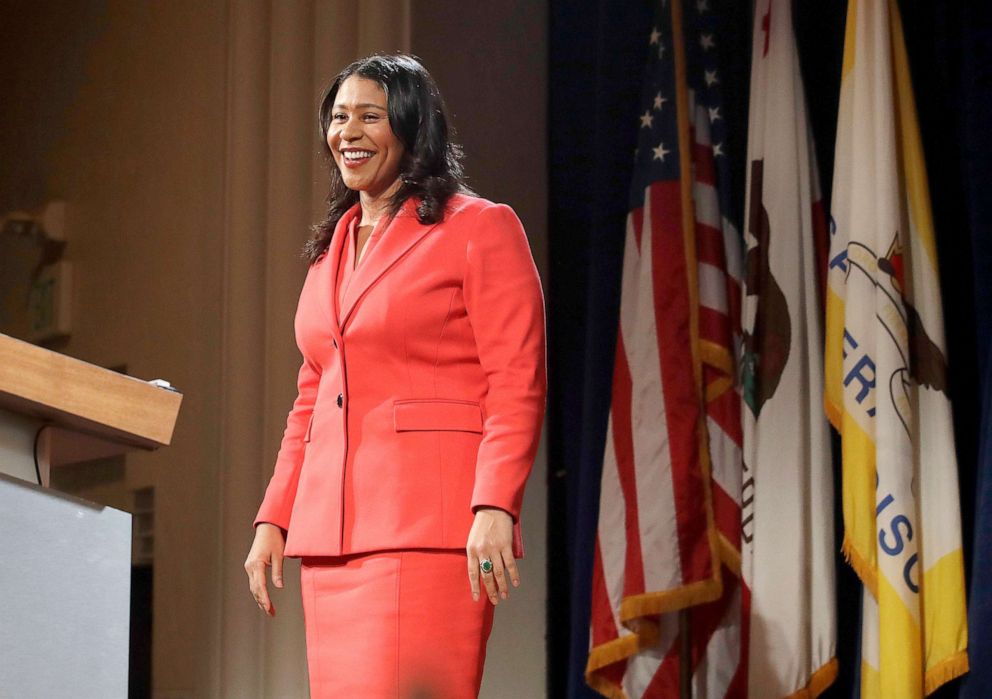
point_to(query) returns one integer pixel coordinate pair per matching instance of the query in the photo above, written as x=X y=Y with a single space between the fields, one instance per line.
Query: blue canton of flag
x=657 y=154
x=704 y=80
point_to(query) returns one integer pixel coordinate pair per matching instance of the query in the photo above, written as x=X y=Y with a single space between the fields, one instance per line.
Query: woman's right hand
x=265 y=551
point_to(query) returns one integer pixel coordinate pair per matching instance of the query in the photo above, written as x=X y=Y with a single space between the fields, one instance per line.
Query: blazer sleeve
x=505 y=304
x=277 y=505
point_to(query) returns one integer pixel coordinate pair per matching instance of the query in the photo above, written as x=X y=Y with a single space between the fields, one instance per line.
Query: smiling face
x=365 y=149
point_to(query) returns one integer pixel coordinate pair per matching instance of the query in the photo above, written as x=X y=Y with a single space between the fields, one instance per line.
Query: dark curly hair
x=431 y=168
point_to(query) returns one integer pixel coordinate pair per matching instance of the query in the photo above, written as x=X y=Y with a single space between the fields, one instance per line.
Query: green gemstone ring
x=486 y=565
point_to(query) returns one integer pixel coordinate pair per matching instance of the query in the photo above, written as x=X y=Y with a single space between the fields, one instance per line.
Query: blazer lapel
x=327 y=280
x=401 y=234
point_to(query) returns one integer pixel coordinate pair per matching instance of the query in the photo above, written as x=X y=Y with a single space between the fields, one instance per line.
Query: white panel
x=66 y=585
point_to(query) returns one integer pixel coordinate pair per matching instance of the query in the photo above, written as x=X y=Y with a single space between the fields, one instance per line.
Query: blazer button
x=340 y=399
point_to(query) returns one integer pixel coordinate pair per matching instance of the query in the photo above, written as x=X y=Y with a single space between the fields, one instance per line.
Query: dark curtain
x=596 y=54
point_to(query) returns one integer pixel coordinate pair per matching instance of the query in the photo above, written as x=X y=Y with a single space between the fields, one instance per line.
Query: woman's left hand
x=491 y=537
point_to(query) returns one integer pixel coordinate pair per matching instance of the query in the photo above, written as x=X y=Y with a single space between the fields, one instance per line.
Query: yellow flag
x=886 y=373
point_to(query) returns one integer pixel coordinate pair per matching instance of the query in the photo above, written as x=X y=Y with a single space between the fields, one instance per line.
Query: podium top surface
x=83 y=397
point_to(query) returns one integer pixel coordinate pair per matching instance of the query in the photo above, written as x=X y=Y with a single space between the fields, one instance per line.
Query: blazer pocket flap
x=306 y=435
x=437 y=414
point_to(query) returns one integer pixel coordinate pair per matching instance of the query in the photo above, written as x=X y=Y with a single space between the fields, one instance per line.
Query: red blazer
x=422 y=397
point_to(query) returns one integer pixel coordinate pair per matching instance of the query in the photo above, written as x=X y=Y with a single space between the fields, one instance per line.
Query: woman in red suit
x=401 y=472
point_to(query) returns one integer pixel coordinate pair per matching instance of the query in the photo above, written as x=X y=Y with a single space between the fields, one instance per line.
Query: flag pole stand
x=685 y=656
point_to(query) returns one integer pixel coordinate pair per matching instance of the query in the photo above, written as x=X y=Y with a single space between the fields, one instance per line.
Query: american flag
x=669 y=523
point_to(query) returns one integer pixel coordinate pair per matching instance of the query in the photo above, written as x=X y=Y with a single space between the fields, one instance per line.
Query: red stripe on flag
x=623 y=448
x=704 y=621
x=734 y=304
x=665 y=683
x=709 y=245
x=713 y=326
x=682 y=403
x=602 y=623
x=702 y=159
x=727 y=514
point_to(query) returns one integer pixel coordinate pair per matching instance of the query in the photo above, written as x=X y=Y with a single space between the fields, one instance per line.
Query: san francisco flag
x=886 y=373
x=788 y=550
x=669 y=524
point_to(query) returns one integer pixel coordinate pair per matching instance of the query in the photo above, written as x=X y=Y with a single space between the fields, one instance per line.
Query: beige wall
x=137 y=151
x=181 y=134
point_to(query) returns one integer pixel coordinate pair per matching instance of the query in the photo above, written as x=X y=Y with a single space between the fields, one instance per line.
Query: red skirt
x=396 y=624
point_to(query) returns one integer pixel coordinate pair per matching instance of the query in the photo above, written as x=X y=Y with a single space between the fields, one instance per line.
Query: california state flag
x=788 y=542
x=886 y=374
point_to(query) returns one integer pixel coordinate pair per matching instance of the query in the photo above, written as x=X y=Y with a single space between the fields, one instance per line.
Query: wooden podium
x=65 y=581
